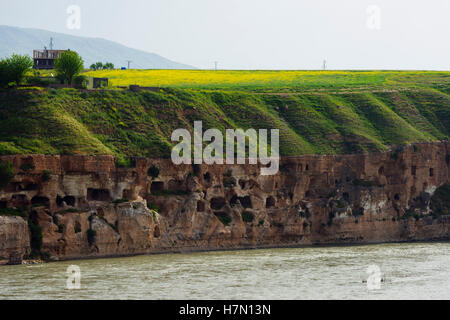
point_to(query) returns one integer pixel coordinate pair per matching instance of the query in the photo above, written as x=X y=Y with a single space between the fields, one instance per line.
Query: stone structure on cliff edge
x=88 y=207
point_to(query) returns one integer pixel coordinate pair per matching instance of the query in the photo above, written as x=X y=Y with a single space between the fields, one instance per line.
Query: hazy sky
x=259 y=34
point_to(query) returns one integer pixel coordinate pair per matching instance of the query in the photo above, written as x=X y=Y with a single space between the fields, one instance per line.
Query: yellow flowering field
x=268 y=80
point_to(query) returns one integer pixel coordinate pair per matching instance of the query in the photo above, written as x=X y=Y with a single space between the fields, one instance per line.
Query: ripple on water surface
x=409 y=271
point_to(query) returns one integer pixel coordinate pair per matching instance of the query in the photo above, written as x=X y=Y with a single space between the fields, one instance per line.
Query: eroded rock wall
x=14 y=239
x=87 y=206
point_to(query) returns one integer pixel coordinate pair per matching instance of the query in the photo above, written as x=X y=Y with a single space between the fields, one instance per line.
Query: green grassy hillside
x=124 y=123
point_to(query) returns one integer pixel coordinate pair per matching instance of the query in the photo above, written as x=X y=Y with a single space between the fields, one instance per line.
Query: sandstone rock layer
x=88 y=207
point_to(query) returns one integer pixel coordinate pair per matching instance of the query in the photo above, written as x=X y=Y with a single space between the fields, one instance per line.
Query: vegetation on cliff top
x=6 y=173
x=277 y=80
x=332 y=113
x=440 y=201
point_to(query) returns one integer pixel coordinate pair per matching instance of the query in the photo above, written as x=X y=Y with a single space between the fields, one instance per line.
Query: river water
x=408 y=271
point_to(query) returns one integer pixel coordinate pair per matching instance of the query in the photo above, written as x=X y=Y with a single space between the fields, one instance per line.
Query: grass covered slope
x=124 y=123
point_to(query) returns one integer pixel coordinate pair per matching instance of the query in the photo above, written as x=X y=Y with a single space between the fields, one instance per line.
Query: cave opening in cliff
x=431 y=172
x=270 y=202
x=200 y=206
x=3 y=204
x=13 y=187
x=346 y=196
x=157 y=186
x=413 y=170
x=246 y=201
x=69 y=200
x=98 y=195
x=19 y=200
x=77 y=227
x=217 y=203
x=207 y=178
x=127 y=194
x=30 y=187
x=40 y=201
x=157 y=232
x=233 y=200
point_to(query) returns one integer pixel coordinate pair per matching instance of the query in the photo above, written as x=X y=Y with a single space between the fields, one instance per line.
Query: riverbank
x=215 y=250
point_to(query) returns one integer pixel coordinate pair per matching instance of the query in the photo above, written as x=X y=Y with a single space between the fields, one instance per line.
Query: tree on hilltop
x=108 y=65
x=14 y=69
x=98 y=66
x=68 y=65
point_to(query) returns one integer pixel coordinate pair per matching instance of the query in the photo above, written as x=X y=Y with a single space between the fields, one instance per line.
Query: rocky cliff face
x=88 y=207
x=14 y=239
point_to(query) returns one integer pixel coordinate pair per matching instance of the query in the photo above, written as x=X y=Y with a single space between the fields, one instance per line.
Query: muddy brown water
x=408 y=271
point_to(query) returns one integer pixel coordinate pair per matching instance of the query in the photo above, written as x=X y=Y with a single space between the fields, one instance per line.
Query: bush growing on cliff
x=60 y=226
x=228 y=180
x=152 y=206
x=412 y=213
x=91 y=235
x=395 y=154
x=223 y=217
x=27 y=167
x=117 y=201
x=123 y=162
x=6 y=173
x=153 y=172
x=36 y=236
x=46 y=175
x=440 y=201
x=247 y=216
x=20 y=212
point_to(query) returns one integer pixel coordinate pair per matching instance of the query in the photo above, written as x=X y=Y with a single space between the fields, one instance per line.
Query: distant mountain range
x=24 y=41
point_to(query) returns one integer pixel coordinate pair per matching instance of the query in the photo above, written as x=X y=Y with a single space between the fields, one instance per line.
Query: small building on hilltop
x=45 y=59
x=94 y=83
